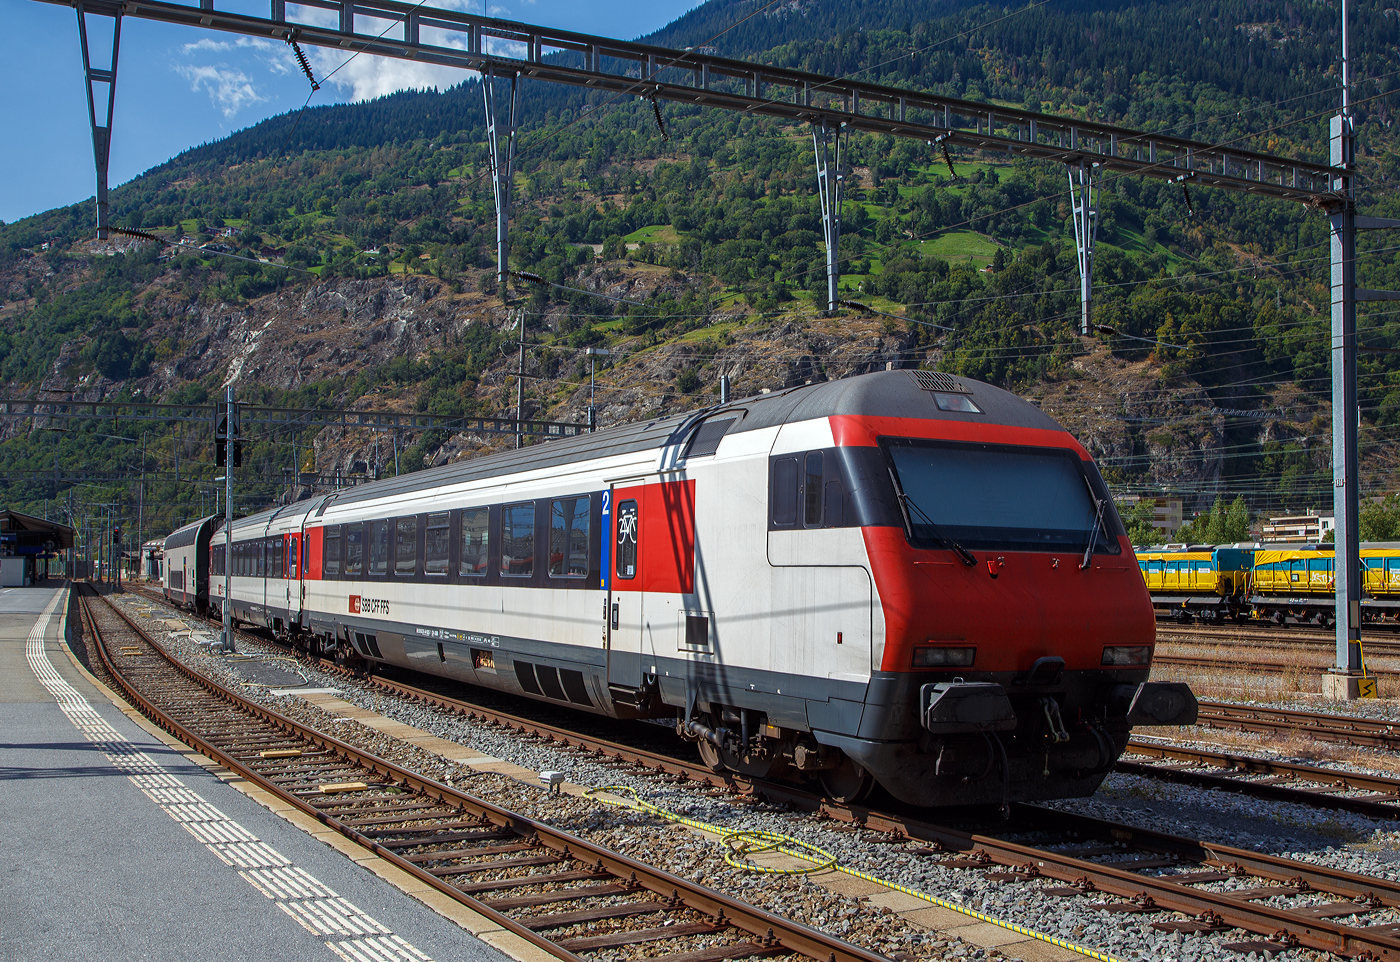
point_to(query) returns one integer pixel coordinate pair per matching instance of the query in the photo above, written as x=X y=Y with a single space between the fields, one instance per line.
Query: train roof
x=187 y=535
x=890 y=394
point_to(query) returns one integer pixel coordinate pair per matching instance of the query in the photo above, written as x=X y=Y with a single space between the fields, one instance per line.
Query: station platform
x=121 y=845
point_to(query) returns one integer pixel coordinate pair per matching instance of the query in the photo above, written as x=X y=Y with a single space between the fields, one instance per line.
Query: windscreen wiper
x=1099 y=504
x=906 y=504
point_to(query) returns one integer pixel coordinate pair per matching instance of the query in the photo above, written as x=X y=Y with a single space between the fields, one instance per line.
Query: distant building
x=1307 y=528
x=1166 y=512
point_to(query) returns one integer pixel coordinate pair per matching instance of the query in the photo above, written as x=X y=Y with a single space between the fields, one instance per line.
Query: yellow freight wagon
x=1197 y=581
x=1300 y=583
x=1301 y=572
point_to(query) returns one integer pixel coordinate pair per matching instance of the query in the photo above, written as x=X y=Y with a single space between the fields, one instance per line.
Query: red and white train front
x=901 y=578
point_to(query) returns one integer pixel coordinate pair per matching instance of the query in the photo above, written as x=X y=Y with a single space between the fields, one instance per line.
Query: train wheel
x=709 y=754
x=847 y=783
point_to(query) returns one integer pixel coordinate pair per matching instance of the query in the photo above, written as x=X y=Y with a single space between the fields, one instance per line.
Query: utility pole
x=1083 y=186
x=232 y=429
x=1345 y=681
x=141 y=503
x=520 y=385
x=828 y=139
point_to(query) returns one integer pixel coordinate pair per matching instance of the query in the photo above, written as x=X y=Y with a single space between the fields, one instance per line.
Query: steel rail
x=1225 y=664
x=1267 y=634
x=1032 y=861
x=1346 y=729
x=772 y=929
x=511 y=48
x=1284 y=783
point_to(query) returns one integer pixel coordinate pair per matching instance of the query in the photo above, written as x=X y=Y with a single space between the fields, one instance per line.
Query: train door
x=292 y=584
x=623 y=626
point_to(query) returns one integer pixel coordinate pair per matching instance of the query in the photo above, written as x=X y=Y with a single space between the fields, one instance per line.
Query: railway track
x=540 y=883
x=1294 y=639
x=1230 y=662
x=1266 y=778
x=1130 y=870
x=1342 y=729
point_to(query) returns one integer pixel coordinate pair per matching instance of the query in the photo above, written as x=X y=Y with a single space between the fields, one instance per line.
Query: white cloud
x=366 y=77
x=229 y=88
x=496 y=11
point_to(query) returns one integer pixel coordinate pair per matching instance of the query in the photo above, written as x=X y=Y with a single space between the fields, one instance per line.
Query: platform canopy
x=26 y=534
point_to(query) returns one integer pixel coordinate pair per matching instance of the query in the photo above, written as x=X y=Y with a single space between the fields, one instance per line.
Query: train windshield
x=993 y=496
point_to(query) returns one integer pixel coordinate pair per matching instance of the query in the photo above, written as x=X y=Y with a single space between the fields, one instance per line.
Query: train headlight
x=1137 y=655
x=944 y=657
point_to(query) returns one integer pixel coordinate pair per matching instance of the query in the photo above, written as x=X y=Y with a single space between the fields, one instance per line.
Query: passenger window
x=378 y=547
x=812 y=491
x=330 y=558
x=835 y=505
x=518 y=540
x=436 y=544
x=406 y=548
x=568 y=538
x=292 y=557
x=354 y=548
x=785 y=491
x=627 y=539
x=472 y=561
x=278 y=557
x=259 y=559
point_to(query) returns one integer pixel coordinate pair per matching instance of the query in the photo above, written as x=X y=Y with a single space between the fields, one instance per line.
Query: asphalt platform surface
x=106 y=854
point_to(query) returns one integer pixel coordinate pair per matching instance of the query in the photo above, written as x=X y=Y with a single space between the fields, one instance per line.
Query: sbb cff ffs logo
x=368 y=606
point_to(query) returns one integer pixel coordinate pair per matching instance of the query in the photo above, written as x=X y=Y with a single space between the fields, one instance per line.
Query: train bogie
x=899 y=579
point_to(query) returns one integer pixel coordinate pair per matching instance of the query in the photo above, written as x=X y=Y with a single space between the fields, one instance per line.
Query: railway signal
x=222 y=447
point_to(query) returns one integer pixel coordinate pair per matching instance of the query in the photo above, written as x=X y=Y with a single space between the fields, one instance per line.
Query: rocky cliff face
x=1144 y=429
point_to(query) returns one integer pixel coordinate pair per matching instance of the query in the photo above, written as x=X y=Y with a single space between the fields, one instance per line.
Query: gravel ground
x=1336 y=839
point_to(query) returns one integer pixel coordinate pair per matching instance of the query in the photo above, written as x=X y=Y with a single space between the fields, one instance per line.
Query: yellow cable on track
x=741 y=845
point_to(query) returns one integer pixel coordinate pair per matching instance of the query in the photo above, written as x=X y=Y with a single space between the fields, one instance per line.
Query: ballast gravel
x=1340 y=840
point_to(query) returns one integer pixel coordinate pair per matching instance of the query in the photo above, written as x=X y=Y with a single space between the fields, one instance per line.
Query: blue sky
x=178 y=87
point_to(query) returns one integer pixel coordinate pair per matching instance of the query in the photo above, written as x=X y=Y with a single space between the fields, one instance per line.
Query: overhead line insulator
x=661 y=124
x=305 y=66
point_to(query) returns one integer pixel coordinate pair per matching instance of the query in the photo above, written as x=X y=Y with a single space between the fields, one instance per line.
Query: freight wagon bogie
x=899 y=580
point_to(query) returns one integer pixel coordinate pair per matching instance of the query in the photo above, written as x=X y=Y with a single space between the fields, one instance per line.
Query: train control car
x=901 y=579
x=186 y=581
x=1204 y=582
x=1297 y=583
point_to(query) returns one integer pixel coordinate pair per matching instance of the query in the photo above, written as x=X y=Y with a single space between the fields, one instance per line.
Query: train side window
x=277 y=558
x=437 y=544
x=476 y=528
x=626 y=546
x=568 y=537
x=785 y=491
x=378 y=547
x=835 y=504
x=812 y=491
x=330 y=552
x=292 y=556
x=216 y=560
x=354 y=548
x=518 y=540
x=406 y=547
x=259 y=559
